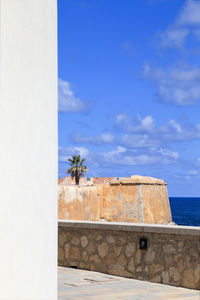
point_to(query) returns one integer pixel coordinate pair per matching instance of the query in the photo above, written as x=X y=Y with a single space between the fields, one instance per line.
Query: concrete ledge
x=133 y=227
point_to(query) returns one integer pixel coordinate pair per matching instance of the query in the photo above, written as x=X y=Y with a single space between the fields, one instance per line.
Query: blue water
x=185 y=211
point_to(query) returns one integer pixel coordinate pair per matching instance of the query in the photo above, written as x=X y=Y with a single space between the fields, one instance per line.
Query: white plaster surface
x=28 y=149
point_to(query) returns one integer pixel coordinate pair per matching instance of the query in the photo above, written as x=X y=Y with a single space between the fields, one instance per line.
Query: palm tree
x=77 y=169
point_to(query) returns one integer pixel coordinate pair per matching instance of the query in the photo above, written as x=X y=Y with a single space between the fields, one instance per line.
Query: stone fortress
x=135 y=199
x=119 y=226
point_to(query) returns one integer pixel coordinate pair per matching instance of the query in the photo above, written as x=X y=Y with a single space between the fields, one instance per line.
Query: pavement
x=82 y=285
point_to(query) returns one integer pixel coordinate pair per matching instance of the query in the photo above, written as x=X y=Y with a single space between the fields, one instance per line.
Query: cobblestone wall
x=172 y=255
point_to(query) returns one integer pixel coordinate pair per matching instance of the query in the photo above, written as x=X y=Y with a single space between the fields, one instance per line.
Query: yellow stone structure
x=137 y=199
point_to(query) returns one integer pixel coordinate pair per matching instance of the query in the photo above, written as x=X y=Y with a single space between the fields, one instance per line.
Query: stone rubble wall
x=172 y=256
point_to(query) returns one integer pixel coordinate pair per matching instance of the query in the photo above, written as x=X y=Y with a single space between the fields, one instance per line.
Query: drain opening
x=74 y=267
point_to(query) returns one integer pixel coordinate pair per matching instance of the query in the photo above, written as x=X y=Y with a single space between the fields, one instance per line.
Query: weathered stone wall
x=83 y=180
x=143 y=200
x=172 y=255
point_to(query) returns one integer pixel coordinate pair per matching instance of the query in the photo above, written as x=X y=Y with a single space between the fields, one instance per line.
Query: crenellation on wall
x=171 y=257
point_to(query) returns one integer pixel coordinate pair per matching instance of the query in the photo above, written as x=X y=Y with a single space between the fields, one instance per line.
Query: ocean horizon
x=185 y=210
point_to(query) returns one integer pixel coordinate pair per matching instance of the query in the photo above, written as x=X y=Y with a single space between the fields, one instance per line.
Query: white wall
x=28 y=149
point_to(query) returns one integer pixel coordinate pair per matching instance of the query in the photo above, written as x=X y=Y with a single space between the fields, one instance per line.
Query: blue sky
x=129 y=89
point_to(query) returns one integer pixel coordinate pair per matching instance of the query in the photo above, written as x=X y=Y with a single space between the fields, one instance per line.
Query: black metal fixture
x=143 y=243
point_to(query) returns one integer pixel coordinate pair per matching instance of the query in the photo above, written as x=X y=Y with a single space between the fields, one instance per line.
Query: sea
x=185 y=210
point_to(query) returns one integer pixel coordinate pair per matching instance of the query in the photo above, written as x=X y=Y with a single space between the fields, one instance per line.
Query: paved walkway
x=82 y=285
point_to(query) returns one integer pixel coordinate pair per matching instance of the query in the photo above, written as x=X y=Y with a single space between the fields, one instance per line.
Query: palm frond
x=77 y=169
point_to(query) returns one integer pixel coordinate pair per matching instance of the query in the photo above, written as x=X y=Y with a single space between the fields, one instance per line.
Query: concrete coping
x=131 y=227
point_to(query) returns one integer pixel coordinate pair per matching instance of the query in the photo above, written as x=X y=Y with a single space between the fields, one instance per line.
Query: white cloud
x=177 y=127
x=144 y=124
x=174 y=37
x=143 y=133
x=104 y=138
x=65 y=153
x=82 y=151
x=179 y=85
x=122 y=118
x=114 y=154
x=193 y=172
x=168 y=153
x=173 y=131
x=187 y=23
x=107 y=137
x=140 y=125
x=191 y=175
x=67 y=102
x=139 y=140
x=198 y=162
x=147 y=134
x=123 y=156
x=190 y=13
x=120 y=156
